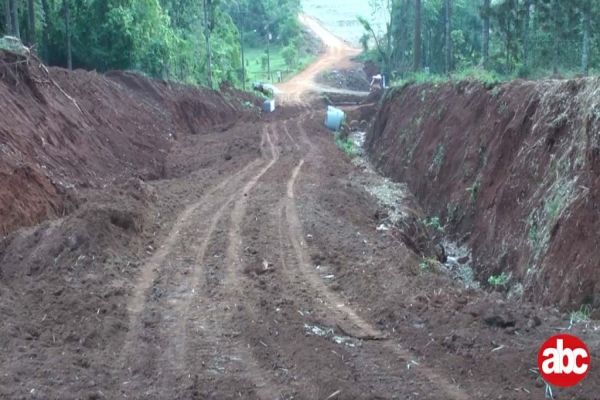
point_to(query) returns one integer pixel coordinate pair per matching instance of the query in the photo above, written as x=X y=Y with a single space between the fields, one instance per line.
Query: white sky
x=339 y=16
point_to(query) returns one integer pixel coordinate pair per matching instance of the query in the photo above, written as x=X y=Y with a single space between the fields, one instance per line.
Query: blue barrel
x=334 y=119
x=269 y=106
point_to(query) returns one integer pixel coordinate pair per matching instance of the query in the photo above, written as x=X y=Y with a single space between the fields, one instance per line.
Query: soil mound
x=513 y=170
x=61 y=131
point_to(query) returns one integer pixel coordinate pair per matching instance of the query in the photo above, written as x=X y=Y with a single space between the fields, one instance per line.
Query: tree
x=290 y=55
x=448 y=34
x=400 y=33
x=14 y=18
x=526 y=29
x=207 y=6
x=417 y=41
x=382 y=49
x=585 y=46
x=7 y=19
x=30 y=22
x=67 y=17
x=485 y=35
x=46 y=28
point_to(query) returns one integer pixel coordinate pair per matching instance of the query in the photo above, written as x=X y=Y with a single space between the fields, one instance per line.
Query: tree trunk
x=207 y=32
x=417 y=44
x=585 y=47
x=31 y=22
x=67 y=15
x=557 y=37
x=526 y=27
x=14 y=16
x=485 y=34
x=7 y=20
x=399 y=27
x=448 y=33
x=46 y=30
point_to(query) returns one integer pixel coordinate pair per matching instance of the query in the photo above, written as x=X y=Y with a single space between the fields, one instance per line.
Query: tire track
x=348 y=321
x=211 y=337
x=144 y=301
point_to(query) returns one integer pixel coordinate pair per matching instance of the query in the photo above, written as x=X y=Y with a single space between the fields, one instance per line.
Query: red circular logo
x=563 y=360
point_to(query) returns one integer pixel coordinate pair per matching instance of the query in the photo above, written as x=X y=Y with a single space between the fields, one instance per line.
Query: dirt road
x=337 y=54
x=275 y=284
x=263 y=276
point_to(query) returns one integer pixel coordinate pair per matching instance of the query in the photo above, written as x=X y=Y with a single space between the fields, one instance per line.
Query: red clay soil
x=513 y=171
x=252 y=269
x=62 y=131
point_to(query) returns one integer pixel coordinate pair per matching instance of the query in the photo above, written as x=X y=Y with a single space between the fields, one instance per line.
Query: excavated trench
x=511 y=172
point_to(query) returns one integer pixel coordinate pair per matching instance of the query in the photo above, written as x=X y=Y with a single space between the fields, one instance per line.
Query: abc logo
x=563 y=360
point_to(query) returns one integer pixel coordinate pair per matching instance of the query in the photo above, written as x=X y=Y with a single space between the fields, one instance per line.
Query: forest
x=204 y=41
x=508 y=38
x=192 y=41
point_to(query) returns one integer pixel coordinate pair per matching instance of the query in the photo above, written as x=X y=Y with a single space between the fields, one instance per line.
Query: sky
x=339 y=16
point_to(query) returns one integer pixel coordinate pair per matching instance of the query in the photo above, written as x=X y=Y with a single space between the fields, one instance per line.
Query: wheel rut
x=344 y=317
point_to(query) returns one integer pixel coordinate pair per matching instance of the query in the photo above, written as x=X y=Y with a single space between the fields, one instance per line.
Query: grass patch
x=581 y=316
x=428 y=264
x=434 y=223
x=489 y=79
x=256 y=71
x=499 y=281
x=347 y=145
x=473 y=190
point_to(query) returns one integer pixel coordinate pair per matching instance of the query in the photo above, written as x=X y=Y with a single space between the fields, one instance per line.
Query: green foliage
x=497 y=281
x=161 y=38
x=534 y=235
x=428 y=264
x=257 y=63
x=435 y=223
x=347 y=145
x=583 y=315
x=290 y=56
x=526 y=39
x=473 y=190
x=489 y=79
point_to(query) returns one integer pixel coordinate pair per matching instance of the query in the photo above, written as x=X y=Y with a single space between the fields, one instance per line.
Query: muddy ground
x=259 y=264
x=256 y=274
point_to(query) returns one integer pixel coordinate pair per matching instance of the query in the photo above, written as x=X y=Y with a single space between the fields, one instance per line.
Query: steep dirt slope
x=61 y=131
x=513 y=171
